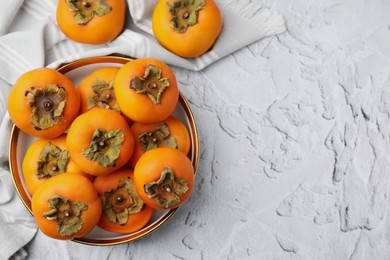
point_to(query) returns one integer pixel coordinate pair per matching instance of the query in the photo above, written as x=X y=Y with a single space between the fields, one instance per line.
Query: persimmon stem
x=47 y=105
x=152 y=85
x=66 y=213
x=86 y=4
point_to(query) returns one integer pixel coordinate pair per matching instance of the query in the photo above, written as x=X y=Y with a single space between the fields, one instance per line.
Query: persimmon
x=164 y=178
x=123 y=210
x=91 y=21
x=169 y=133
x=100 y=141
x=46 y=158
x=97 y=90
x=43 y=103
x=187 y=28
x=146 y=90
x=66 y=206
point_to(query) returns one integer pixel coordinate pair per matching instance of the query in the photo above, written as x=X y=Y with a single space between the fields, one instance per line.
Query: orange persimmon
x=66 y=206
x=100 y=141
x=43 y=103
x=187 y=28
x=91 y=21
x=169 y=133
x=164 y=178
x=46 y=158
x=146 y=90
x=97 y=90
x=123 y=210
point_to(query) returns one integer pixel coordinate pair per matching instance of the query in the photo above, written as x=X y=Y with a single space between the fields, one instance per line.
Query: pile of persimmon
x=108 y=152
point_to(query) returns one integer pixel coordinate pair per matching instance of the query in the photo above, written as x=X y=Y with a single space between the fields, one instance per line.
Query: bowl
x=20 y=141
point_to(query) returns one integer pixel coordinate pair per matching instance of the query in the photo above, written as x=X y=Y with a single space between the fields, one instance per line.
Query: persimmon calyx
x=105 y=147
x=104 y=95
x=151 y=83
x=184 y=13
x=120 y=203
x=87 y=9
x=160 y=137
x=47 y=105
x=66 y=213
x=167 y=189
x=51 y=161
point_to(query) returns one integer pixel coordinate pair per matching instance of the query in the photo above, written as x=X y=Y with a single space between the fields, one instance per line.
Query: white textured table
x=294 y=160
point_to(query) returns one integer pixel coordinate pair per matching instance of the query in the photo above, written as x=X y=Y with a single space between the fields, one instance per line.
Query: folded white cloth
x=17 y=227
x=30 y=38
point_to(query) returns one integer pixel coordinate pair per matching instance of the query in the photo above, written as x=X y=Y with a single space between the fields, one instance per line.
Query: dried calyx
x=151 y=84
x=51 y=161
x=86 y=9
x=184 y=13
x=47 y=105
x=103 y=96
x=66 y=213
x=105 y=147
x=160 y=137
x=120 y=203
x=167 y=189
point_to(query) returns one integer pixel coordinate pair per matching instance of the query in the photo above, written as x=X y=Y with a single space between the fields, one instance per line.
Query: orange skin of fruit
x=74 y=187
x=135 y=221
x=149 y=167
x=29 y=165
x=20 y=113
x=198 y=38
x=177 y=130
x=138 y=106
x=99 y=30
x=85 y=86
x=80 y=134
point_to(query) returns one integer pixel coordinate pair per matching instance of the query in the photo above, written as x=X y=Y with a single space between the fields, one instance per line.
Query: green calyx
x=51 y=161
x=150 y=84
x=167 y=189
x=105 y=147
x=66 y=213
x=120 y=203
x=47 y=105
x=184 y=13
x=103 y=96
x=160 y=137
x=86 y=9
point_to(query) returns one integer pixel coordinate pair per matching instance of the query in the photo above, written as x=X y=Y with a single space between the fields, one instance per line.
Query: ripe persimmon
x=43 y=103
x=97 y=90
x=169 y=133
x=91 y=21
x=66 y=206
x=164 y=178
x=123 y=210
x=187 y=28
x=46 y=158
x=100 y=141
x=146 y=90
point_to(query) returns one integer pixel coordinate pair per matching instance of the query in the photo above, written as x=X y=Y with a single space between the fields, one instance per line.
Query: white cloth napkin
x=30 y=38
x=17 y=227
